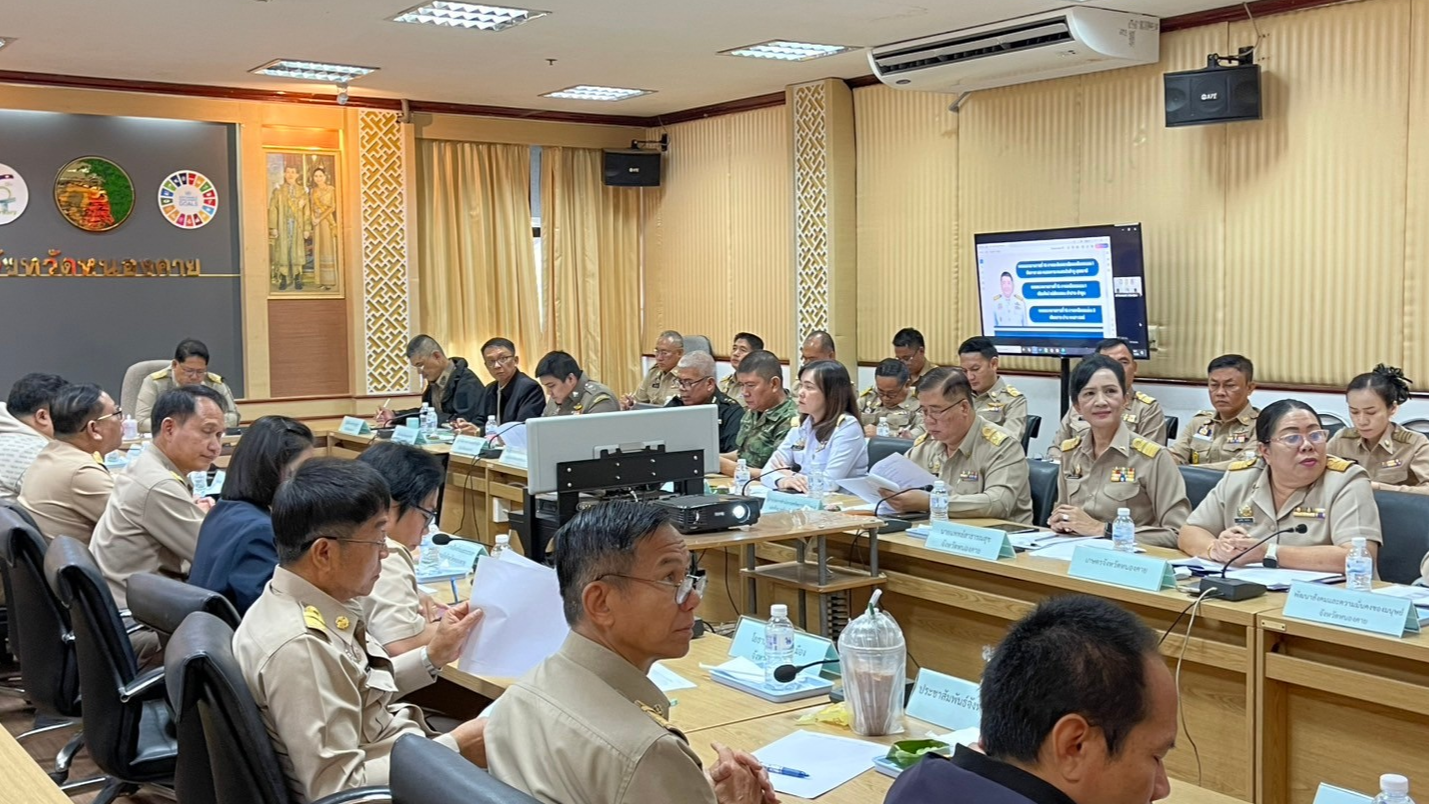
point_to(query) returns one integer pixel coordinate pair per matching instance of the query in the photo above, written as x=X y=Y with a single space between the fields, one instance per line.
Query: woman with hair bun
x=1395 y=458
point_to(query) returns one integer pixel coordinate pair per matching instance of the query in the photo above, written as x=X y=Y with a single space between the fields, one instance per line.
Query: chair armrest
x=146 y=687
x=359 y=795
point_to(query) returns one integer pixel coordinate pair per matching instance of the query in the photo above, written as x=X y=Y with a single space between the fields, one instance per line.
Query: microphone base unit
x=1232 y=589
x=894 y=525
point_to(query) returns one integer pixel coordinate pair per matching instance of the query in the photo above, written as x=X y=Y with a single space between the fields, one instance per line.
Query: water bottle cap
x=1358 y=542
x=939 y=485
x=778 y=610
x=883 y=420
x=1394 y=784
x=503 y=538
x=1126 y=512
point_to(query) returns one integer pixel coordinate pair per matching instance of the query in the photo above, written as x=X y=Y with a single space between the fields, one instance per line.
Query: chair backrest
x=134 y=380
x=225 y=753
x=1031 y=431
x=106 y=657
x=698 y=343
x=1199 y=482
x=424 y=772
x=880 y=447
x=1420 y=426
x=163 y=603
x=40 y=631
x=1402 y=518
x=1173 y=429
x=1042 y=475
x=1331 y=422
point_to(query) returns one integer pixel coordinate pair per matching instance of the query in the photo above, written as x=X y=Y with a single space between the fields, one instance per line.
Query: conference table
x=24 y=779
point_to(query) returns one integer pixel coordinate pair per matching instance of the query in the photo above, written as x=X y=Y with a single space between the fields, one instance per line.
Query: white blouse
x=843 y=455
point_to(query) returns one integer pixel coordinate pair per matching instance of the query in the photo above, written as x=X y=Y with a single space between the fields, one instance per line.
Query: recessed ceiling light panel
x=471 y=16
x=313 y=71
x=587 y=92
x=784 y=50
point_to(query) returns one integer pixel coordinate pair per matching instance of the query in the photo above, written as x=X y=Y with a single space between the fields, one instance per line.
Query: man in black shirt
x=695 y=380
x=512 y=396
x=452 y=387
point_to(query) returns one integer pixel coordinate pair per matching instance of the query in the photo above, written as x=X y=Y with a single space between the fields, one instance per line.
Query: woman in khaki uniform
x=1294 y=482
x=1395 y=458
x=1109 y=467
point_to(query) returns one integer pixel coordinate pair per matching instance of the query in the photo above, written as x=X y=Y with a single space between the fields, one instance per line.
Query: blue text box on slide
x=1362 y=611
x=945 y=700
x=1065 y=314
x=1057 y=269
x=1122 y=569
x=1061 y=290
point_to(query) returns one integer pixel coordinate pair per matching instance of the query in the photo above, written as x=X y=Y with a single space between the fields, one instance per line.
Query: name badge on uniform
x=1309 y=513
x=1203 y=432
x=1123 y=474
x=1238 y=438
x=1075 y=474
x=1129 y=417
x=1392 y=463
x=1245 y=516
x=968 y=476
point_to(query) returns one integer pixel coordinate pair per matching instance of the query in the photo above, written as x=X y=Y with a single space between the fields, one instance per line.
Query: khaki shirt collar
x=1243 y=415
x=622 y=676
x=163 y=460
x=446 y=374
x=334 y=614
x=1263 y=496
x=1121 y=442
x=970 y=440
x=1386 y=441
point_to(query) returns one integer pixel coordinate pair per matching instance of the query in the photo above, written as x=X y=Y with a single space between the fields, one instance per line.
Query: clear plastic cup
x=874 y=657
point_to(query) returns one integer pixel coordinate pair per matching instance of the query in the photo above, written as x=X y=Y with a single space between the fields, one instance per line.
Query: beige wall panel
x=761 y=260
x=1415 y=316
x=1315 y=195
x=522 y=132
x=908 y=267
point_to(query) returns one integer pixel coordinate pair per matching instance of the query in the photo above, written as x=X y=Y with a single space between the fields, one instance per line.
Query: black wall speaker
x=1213 y=95
x=632 y=168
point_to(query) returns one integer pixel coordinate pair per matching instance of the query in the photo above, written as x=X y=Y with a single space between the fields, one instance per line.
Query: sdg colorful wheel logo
x=188 y=199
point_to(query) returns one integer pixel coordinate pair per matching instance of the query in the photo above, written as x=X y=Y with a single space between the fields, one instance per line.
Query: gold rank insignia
x=654 y=714
x=1129 y=417
x=1246 y=511
x=1392 y=463
x=313 y=619
x=1075 y=473
x=1123 y=474
x=1338 y=464
x=935 y=465
x=993 y=436
x=1309 y=513
x=342 y=623
x=969 y=476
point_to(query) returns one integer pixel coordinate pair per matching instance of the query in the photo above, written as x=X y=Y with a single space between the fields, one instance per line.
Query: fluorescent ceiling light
x=312 y=70
x=472 y=16
x=783 y=50
x=593 y=93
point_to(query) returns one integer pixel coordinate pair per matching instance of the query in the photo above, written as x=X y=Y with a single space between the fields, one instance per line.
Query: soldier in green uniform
x=771 y=411
x=744 y=343
x=569 y=392
x=190 y=367
x=890 y=397
x=994 y=399
x=1225 y=434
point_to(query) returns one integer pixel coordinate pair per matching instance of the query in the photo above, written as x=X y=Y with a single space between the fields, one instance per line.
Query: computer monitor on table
x=564 y=439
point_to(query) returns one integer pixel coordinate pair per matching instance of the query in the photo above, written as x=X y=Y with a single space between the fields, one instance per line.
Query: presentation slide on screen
x=1051 y=288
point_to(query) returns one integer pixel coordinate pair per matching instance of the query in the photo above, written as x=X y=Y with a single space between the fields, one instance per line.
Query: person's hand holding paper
x=524 y=620
x=452 y=631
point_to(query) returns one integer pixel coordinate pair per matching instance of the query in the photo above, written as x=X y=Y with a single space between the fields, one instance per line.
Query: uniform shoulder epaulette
x=867 y=391
x=654 y=714
x=159 y=375
x=920 y=439
x=1404 y=436
x=1210 y=413
x=1011 y=391
x=994 y=435
x=794 y=420
x=313 y=619
x=599 y=397
x=1071 y=443
x=1338 y=464
x=847 y=417
x=1146 y=399
x=1239 y=465
x=1351 y=433
x=214 y=377
x=1145 y=447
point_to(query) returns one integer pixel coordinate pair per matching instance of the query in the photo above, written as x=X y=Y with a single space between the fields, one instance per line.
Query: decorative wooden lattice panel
x=386 y=305
x=811 y=208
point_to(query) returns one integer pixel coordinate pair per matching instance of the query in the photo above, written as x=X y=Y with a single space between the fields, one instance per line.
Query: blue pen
x=783 y=771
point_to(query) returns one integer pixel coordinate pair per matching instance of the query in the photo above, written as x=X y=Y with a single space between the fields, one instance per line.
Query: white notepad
x=830 y=761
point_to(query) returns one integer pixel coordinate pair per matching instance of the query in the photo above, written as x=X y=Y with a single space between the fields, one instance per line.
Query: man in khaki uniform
x=568 y=391
x=660 y=383
x=67 y=487
x=911 y=350
x=1143 y=414
x=770 y=412
x=890 y=397
x=325 y=688
x=1132 y=473
x=189 y=367
x=744 y=343
x=983 y=466
x=630 y=599
x=151 y=522
x=994 y=399
x=1216 y=438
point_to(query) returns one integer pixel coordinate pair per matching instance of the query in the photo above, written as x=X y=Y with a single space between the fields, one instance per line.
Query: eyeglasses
x=1294 y=440
x=430 y=515
x=685 y=385
x=500 y=361
x=664 y=352
x=118 y=411
x=938 y=413
x=381 y=543
x=694 y=582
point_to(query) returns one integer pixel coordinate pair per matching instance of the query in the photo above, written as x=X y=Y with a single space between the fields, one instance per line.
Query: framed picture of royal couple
x=304 y=222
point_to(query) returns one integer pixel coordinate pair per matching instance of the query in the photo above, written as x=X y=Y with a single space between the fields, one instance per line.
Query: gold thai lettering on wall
x=57 y=265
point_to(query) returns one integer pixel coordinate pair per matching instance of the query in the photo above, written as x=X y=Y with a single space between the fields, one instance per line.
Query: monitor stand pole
x=1066 y=384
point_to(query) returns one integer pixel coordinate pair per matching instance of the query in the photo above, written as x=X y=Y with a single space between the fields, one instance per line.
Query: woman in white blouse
x=829 y=437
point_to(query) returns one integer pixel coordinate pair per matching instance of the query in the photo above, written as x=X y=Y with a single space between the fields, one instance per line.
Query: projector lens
x=740 y=512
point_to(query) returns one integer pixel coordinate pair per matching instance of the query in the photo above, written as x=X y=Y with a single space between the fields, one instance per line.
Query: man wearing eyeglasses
x=695 y=379
x=67 y=486
x=658 y=387
x=398 y=615
x=910 y=349
x=630 y=598
x=511 y=396
x=891 y=398
x=189 y=367
x=327 y=691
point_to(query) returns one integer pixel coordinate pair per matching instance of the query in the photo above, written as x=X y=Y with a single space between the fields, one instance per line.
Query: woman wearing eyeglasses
x=1396 y=459
x=828 y=438
x=1109 y=467
x=1293 y=482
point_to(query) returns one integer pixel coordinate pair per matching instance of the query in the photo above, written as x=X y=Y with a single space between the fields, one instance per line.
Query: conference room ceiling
x=669 y=46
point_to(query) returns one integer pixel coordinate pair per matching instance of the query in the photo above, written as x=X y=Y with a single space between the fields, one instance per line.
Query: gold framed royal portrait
x=304 y=223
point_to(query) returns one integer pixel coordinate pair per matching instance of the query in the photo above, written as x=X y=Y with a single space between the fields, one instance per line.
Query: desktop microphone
x=785 y=673
x=1233 y=589
x=440 y=539
x=895 y=524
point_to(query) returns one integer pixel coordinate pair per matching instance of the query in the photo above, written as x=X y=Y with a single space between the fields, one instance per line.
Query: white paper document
x=863 y=488
x=1418 y=594
x=968 y=736
x=1036 y=541
x=524 y=622
x=1063 y=551
x=1282 y=578
x=830 y=761
x=668 y=680
x=897 y=473
x=511 y=435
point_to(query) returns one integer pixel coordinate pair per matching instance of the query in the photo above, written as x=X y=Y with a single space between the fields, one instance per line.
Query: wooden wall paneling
x=308 y=344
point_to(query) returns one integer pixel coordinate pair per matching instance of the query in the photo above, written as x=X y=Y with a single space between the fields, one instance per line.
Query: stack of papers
x=1062 y=551
x=828 y=760
x=1419 y=594
x=524 y=622
x=668 y=680
x=894 y=473
x=1279 y=580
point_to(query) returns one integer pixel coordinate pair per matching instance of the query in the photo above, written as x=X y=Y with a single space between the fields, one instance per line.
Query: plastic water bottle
x=778 y=645
x=199 y=480
x=1359 y=567
x=938 y=502
x=490 y=426
x=819 y=486
x=883 y=430
x=431 y=553
x=1393 y=789
x=131 y=428
x=1123 y=532
x=503 y=543
x=429 y=421
x=741 y=476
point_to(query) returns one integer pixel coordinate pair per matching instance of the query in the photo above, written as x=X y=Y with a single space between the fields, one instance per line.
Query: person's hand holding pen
x=384 y=416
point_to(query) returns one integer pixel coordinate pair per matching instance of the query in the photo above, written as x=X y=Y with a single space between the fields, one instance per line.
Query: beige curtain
x=590 y=235
x=477 y=269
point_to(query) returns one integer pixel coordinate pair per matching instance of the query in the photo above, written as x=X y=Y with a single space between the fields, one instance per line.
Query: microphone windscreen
x=1300 y=528
x=785 y=673
x=441 y=538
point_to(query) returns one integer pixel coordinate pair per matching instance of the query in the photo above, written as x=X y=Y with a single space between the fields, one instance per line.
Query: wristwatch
x=1270 y=560
x=427 y=663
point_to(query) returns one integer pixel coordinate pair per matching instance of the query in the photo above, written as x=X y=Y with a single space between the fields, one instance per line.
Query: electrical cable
x=1181 y=658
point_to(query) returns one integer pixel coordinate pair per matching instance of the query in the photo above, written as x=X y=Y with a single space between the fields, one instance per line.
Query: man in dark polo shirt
x=695 y=381
x=1077 y=708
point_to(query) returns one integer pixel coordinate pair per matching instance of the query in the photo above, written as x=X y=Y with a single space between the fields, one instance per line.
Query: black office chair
x=1420 y=426
x=880 y=447
x=128 y=730
x=1173 y=428
x=424 y=772
x=1331 y=422
x=225 y=753
x=1199 y=482
x=1043 y=477
x=162 y=603
x=1031 y=431
x=1402 y=519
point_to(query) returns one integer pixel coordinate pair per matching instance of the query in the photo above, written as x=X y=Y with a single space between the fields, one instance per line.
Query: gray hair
x=675 y=338
x=599 y=542
x=699 y=361
x=422 y=346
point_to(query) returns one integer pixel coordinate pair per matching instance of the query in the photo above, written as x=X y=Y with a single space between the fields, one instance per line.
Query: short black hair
x=498 y=342
x=761 y=363
x=754 y=342
x=950 y=381
x=1107 y=344
x=190 y=347
x=263 y=454
x=33 y=392
x=1090 y=365
x=1388 y=382
x=981 y=345
x=423 y=345
x=559 y=365
x=822 y=339
x=908 y=338
x=1071 y=655
x=329 y=497
x=180 y=403
x=412 y=474
x=1269 y=419
x=892 y=367
x=75 y=406
x=601 y=541
x=1006 y=274
x=1240 y=363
